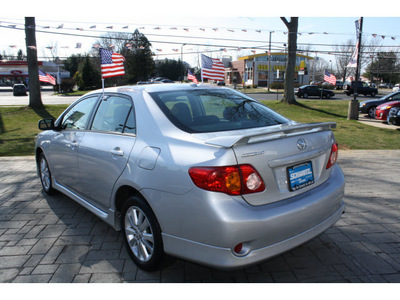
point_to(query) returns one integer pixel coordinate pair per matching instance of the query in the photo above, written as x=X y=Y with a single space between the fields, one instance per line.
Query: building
x=16 y=71
x=253 y=69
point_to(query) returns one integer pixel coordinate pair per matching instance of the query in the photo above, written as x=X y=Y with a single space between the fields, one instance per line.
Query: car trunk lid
x=291 y=159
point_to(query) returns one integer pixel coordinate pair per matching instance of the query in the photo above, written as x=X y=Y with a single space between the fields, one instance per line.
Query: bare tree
x=369 y=50
x=117 y=41
x=343 y=53
x=292 y=27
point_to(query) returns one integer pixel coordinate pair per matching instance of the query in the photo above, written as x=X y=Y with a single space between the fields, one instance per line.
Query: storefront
x=256 y=68
x=12 y=72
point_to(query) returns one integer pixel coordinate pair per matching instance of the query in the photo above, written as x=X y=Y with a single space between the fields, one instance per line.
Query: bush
x=277 y=85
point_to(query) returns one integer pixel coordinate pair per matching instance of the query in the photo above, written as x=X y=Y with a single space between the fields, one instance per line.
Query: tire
x=142 y=234
x=305 y=95
x=328 y=96
x=371 y=112
x=45 y=175
x=373 y=94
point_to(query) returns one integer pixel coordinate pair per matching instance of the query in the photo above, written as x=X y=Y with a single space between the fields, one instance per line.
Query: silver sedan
x=202 y=173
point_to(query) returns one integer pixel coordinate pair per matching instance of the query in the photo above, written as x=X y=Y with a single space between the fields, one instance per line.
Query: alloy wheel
x=45 y=174
x=371 y=112
x=139 y=234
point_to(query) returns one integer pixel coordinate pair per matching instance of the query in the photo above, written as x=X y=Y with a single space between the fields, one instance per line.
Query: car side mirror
x=46 y=124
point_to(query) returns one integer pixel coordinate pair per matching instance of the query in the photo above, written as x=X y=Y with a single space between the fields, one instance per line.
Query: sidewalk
x=376 y=123
x=53 y=239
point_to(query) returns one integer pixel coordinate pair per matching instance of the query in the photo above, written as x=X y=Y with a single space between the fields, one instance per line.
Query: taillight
x=232 y=180
x=333 y=156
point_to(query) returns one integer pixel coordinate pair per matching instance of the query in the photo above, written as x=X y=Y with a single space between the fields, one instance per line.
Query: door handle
x=72 y=145
x=117 y=152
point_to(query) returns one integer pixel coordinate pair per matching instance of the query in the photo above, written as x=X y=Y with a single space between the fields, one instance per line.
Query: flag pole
x=102 y=84
x=201 y=67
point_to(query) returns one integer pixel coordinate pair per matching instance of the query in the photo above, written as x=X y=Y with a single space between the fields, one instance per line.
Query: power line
x=222 y=47
x=176 y=36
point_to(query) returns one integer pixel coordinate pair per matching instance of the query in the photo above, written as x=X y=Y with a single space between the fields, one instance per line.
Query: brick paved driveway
x=53 y=239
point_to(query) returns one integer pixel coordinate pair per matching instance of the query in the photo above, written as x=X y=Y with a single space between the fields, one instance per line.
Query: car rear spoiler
x=284 y=131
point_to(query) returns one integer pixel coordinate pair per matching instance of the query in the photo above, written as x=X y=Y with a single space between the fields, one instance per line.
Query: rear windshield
x=198 y=111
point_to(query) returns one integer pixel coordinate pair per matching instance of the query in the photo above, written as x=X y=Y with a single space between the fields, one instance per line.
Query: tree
x=385 y=68
x=72 y=63
x=292 y=27
x=344 y=52
x=318 y=67
x=35 y=98
x=139 y=62
x=89 y=74
x=342 y=56
x=170 y=68
x=20 y=55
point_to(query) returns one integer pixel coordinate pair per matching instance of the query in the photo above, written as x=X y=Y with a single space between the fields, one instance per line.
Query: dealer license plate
x=300 y=176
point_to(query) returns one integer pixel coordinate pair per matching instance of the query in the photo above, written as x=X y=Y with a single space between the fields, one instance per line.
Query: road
x=48 y=97
x=338 y=96
x=7 y=98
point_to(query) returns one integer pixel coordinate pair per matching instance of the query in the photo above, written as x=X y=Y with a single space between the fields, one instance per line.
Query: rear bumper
x=273 y=230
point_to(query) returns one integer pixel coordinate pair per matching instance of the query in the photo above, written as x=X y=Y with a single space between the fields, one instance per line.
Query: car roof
x=150 y=88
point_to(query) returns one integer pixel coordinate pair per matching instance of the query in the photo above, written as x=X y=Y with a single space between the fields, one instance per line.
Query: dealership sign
x=16 y=72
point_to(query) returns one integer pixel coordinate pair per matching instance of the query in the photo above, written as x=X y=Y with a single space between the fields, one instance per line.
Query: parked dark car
x=369 y=106
x=19 y=89
x=394 y=116
x=306 y=91
x=167 y=81
x=339 y=85
x=362 y=88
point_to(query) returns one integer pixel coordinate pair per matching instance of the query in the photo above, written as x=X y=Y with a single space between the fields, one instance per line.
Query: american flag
x=212 y=68
x=192 y=77
x=45 y=77
x=328 y=77
x=112 y=64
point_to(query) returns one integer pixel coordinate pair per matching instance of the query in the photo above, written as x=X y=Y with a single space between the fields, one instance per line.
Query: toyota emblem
x=301 y=144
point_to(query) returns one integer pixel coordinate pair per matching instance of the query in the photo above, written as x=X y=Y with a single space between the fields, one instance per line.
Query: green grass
x=74 y=93
x=350 y=134
x=18 y=125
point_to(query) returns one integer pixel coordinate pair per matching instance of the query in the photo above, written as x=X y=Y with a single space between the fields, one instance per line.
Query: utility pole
x=269 y=61
x=35 y=98
x=352 y=113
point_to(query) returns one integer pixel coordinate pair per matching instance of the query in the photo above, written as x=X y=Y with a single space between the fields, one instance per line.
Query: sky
x=206 y=26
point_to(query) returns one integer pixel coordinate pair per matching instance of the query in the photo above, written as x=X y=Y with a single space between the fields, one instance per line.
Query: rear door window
x=115 y=114
x=209 y=110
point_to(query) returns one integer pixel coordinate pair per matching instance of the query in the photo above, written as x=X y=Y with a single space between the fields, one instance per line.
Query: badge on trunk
x=301 y=144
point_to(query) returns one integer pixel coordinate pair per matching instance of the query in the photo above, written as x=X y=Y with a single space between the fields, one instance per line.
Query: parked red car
x=382 y=110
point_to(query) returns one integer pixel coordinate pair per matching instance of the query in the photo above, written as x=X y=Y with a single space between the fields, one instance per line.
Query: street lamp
x=183 y=69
